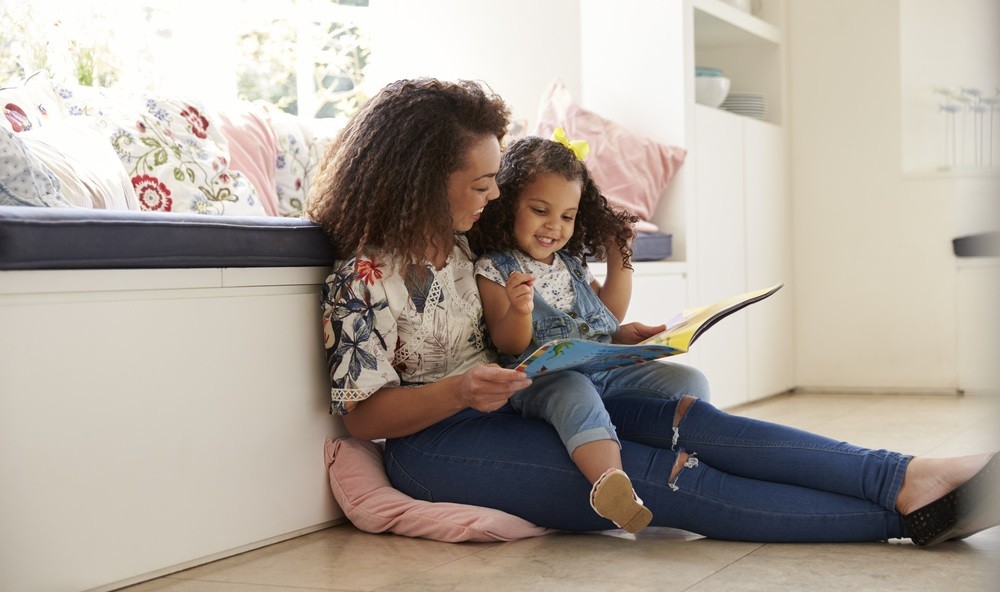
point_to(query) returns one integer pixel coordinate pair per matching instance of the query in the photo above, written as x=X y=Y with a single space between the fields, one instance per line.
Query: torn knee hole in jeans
x=690 y=463
x=683 y=406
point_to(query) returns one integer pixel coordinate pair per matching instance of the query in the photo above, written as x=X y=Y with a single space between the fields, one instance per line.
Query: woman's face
x=470 y=188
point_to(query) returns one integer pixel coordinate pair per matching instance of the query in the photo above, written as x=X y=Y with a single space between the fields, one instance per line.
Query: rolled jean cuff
x=591 y=435
x=897 y=482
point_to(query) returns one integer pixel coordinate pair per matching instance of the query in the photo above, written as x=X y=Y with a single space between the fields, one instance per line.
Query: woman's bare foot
x=928 y=479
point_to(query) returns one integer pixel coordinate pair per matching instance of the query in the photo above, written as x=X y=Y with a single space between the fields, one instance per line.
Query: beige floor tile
x=661 y=560
x=172 y=585
x=877 y=566
x=911 y=424
x=985 y=541
x=340 y=558
x=807 y=411
x=346 y=560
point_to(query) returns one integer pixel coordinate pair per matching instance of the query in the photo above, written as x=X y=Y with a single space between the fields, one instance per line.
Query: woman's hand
x=394 y=411
x=632 y=333
x=487 y=387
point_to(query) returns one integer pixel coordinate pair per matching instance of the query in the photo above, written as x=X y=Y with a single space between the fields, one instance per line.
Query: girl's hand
x=632 y=333
x=520 y=292
x=487 y=387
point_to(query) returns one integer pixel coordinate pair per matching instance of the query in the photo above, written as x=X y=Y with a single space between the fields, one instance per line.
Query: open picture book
x=681 y=332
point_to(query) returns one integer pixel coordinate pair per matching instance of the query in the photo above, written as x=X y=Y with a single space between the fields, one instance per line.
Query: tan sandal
x=613 y=498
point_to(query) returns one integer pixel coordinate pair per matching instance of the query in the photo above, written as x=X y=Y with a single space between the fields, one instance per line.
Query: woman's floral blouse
x=387 y=326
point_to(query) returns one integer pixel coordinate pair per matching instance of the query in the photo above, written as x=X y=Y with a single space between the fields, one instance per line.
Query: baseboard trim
x=862 y=390
x=166 y=571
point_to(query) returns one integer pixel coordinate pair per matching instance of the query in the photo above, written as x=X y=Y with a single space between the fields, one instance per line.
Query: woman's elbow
x=358 y=427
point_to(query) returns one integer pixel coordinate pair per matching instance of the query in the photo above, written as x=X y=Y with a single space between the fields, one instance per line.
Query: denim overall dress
x=570 y=401
x=589 y=319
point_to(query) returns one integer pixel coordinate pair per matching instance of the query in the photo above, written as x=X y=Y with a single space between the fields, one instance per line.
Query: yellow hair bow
x=580 y=148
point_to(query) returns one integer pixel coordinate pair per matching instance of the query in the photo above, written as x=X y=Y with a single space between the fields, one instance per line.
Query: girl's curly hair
x=383 y=181
x=596 y=221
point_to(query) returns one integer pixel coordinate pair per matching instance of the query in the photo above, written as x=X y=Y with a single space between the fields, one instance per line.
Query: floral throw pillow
x=92 y=100
x=293 y=161
x=29 y=105
x=178 y=161
x=323 y=131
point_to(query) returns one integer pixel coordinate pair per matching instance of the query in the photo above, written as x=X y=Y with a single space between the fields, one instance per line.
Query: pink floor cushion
x=363 y=491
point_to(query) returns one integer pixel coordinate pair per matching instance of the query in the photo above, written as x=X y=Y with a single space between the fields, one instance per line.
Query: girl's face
x=545 y=215
x=470 y=188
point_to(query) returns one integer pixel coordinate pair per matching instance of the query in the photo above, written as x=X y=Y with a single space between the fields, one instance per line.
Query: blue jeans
x=753 y=480
x=573 y=403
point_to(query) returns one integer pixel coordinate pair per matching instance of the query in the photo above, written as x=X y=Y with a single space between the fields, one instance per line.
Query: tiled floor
x=345 y=559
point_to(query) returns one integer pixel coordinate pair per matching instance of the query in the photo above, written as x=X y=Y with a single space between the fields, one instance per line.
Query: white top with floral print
x=552 y=282
x=385 y=327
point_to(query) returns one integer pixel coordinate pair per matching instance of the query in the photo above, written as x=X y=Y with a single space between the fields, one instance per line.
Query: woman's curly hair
x=383 y=181
x=596 y=221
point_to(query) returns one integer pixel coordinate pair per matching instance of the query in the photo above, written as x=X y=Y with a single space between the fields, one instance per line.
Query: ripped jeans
x=574 y=403
x=751 y=480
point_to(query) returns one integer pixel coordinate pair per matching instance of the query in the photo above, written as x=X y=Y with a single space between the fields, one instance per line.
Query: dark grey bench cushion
x=60 y=238
x=652 y=246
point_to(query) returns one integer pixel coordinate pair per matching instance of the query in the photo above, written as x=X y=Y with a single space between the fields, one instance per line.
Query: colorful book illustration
x=681 y=332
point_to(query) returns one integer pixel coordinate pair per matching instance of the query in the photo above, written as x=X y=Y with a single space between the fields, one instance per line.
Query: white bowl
x=711 y=90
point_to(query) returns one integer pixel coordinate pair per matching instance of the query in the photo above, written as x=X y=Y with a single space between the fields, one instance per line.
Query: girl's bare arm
x=617 y=289
x=507 y=310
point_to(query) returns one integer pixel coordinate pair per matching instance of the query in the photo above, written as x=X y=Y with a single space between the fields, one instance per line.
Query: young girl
x=535 y=286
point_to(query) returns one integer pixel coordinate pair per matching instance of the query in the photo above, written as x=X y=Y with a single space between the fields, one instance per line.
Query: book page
x=591 y=356
x=683 y=329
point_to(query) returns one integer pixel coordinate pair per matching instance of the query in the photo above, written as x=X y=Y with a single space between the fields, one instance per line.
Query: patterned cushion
x=91 y=100
x=293 y=161
x=178 y=161
x=322 y=131
x=76 y=150
x=25 y=180
x=29 y=105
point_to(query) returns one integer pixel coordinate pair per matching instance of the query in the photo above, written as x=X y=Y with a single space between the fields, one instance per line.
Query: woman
x=410 y=362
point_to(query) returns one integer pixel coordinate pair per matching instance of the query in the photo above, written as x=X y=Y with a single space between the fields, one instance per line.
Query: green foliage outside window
x=304 y=56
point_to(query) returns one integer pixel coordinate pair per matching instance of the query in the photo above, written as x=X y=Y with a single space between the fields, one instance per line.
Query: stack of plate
x=745 y=103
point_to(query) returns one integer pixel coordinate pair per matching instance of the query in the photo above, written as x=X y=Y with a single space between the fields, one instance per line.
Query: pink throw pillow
x=632 y=171
x=371 y=503
x=253 y=149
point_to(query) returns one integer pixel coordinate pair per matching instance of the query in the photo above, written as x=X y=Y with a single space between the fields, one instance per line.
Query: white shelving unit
x=728 y=208
x=720 y=23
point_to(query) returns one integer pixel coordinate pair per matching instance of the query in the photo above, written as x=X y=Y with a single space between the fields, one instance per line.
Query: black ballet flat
x=965 y=511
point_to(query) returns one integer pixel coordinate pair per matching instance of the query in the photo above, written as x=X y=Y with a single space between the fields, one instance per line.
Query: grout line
x=726 y=566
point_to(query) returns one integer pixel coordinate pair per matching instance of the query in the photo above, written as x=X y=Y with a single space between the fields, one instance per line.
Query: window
x=305 y=56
